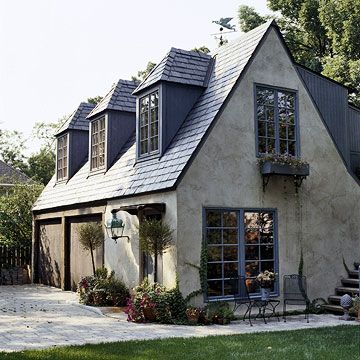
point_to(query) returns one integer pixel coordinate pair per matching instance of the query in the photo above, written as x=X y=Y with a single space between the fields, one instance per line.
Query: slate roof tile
x=77 y=120
x=10 y=175
x=126 y=177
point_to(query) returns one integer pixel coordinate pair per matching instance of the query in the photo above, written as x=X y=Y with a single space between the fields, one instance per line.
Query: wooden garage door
x=50 y=255
x=80 y=260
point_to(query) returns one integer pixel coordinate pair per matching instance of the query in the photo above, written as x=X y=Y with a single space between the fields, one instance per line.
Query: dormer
x=72 y=143
x=166 y=96
x=112 y=122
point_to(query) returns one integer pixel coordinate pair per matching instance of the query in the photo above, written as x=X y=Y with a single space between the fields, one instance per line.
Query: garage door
x=50 y=260
x=80 y=260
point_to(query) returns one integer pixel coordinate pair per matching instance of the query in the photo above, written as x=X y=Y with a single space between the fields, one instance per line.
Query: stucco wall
x=323 y=218
x=124 y=256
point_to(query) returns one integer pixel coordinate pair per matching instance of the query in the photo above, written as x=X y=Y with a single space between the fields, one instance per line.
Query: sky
x=55 y=54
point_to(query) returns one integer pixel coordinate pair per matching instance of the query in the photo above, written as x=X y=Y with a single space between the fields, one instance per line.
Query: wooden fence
x=11 y=257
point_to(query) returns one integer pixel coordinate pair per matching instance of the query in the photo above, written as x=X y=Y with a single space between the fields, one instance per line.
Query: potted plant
x=192 y=314
x=148 y=307
x=266 y=281
x=283 y=164
x=355 y=310
x=224 y=316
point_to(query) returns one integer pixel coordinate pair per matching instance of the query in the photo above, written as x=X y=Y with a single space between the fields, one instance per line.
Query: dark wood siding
x=50 y=253
x=78 y=150
x=177 y=101
x=332 y=102
x=354 y=137
x=121 y=125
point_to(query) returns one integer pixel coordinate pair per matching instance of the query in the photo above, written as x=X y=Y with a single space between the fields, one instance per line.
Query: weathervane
x=224 y=23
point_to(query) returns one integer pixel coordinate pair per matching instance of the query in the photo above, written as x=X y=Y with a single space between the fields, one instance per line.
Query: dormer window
x=149 y=124
x=62 y=157
x=98 y=144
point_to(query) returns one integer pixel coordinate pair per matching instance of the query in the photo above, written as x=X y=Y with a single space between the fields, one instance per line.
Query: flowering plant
x=192 y=311
x=266 y=279
x=282 y=159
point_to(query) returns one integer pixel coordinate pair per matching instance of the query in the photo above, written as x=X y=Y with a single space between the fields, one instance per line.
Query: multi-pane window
x=149 y=124
x=98 y=144
x=276 y=121
x=239 y=243
x=62 y=157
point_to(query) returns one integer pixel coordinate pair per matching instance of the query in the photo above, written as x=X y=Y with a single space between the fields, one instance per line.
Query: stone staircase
x=349 y=285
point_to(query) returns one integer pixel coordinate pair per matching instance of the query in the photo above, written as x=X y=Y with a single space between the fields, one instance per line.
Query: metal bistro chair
x=295 y=293
x=241 y=295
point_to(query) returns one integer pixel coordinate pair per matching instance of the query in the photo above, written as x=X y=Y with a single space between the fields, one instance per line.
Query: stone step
x=350 y=282
x=341 y=290
x=354 y=274
x=334 y=309
x=334 y=299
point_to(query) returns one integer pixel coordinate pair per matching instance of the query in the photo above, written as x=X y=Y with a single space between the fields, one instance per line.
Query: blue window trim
x=297 y=118
x=241 y=244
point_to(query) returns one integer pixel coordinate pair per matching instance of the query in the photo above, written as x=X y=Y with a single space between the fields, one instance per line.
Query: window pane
x=292 y=150
x=214 y=236
x=262 y=128
x=251 y=268
x=230 y=270
x=230 y=219
x=269 y=114
x=267 y=265
x=266 y=252
x=265 y=96
x=251 y=252
x=283 y=147
x=215 y=288
x=214 y=253
x=213 y=218
x=291 y=132
x=230 y=253
x=262 y=145
x=230 y=287
x=230 y=236
x=271 y=130
x=154 y=144
x=261 y=113
x=251 y=236
x=253 y=286
x=214 y=271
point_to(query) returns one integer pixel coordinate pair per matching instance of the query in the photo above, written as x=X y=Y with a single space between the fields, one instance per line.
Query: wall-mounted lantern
x=115 y=227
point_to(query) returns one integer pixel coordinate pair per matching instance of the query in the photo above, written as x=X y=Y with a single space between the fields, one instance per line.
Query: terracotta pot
x=149 y=314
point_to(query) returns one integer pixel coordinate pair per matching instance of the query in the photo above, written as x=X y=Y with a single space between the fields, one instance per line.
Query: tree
x=202 y=49
x=91 y=237
x=15 y=214
x=142 y=74
x=12 y=147
x=41 y=166
x=155 y=238
x=322 y=35
x=95 y=100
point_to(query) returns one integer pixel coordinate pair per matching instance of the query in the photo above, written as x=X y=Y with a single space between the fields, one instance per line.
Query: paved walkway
x=36 y=317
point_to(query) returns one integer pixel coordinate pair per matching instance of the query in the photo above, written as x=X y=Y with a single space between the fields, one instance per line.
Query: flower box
x=273 y=168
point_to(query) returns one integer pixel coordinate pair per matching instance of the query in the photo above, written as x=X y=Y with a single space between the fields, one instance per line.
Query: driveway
x=35 y=317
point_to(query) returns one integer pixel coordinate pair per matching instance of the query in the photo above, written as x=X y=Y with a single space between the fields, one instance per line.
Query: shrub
x=168 y=305
x=102 y=289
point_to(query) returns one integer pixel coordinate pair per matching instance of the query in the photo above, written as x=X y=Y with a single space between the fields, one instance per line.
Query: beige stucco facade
x=323 y=219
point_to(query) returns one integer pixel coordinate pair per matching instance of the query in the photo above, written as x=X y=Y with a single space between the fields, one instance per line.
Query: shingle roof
x=180 y=66
x=118 y=98
x=9 y=175
x=125 y=177
x=77 y=120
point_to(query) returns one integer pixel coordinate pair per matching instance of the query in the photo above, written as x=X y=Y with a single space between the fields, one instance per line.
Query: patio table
x=266 y=309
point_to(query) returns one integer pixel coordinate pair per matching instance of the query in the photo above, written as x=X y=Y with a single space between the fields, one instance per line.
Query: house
x=10 y=176
x=183 y=146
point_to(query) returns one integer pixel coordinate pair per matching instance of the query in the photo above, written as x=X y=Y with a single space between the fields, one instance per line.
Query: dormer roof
x=118 y=98
x=77 y=120
x=180 y=66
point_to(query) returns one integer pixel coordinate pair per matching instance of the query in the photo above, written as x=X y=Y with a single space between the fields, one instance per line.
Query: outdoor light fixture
x=115 y=227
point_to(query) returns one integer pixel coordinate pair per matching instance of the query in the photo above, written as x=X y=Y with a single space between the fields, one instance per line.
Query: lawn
x=341 y=342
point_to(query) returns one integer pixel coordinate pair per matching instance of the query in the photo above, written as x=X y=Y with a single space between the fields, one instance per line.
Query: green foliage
x=355 y=306
x=155 y=236
x=142 y=74
x=94 y=100
x=202 y=49
x=91 y=237
x=15 y=214
x=41 y=166
x=218 y=310
x=322 y=35
x=102 y=289
x=169 y=306
x=249 y=18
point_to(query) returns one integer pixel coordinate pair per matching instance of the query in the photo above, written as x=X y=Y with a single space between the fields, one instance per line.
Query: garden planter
x=269 y=168
x=193 y=318
x=149 y=314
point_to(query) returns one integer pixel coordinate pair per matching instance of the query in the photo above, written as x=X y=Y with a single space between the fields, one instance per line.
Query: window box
x=269 y=168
